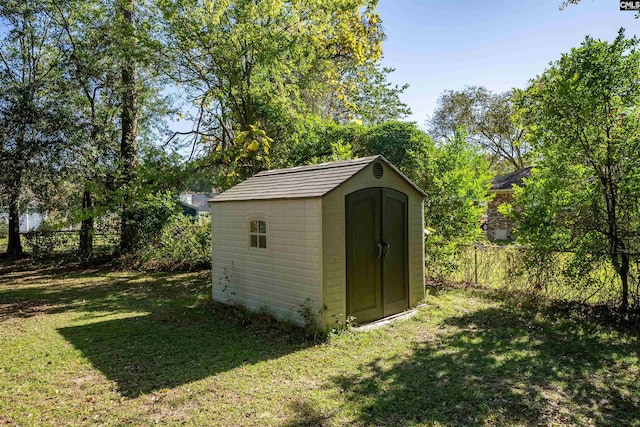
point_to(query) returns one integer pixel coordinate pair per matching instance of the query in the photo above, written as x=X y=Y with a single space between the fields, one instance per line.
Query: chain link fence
x=563 y=275
x=47 y=243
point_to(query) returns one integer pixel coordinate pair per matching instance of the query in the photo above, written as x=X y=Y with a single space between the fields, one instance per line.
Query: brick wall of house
x=495 y=220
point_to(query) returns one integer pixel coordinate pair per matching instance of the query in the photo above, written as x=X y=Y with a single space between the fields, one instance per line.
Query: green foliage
x=183 y=243
x=583 y=119
x=43 y=243
x=248 y=156
x=317 y=141
x=260 y=73
x=151 y=215
x=584 y=279
x=403 y=144
x=4 y=229
x=52 y=223
x=34 y=118
x=159 y=171
x=341 y=326
x=375 y=99
x=487 y=117
x=456 y=184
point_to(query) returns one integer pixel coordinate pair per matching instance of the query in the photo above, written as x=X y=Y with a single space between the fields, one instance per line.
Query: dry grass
x=94 y=347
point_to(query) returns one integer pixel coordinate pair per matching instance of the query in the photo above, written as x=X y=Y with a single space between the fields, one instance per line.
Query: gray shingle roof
x=299 y=182
x=200 y=201
x=506 y=182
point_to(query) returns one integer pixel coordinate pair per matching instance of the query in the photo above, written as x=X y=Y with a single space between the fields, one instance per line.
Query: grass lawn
x=94 y=347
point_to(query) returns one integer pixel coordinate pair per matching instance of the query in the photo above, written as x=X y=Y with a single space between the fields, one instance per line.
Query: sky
x=438 y=45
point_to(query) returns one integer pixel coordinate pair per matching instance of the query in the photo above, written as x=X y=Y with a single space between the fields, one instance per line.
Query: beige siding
x=333 y=241
x=280 y=278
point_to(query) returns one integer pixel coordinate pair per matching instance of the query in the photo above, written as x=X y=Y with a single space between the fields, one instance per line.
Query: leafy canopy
x=583 y=119
x=256 y=72
x=456 y=181
x=487 y=117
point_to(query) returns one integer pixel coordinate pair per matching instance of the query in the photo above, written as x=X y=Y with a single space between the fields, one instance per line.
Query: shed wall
x=277 y=280
x=334 y=241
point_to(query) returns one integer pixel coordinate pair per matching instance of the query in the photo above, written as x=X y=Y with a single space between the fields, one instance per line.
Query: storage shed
x=324 y=241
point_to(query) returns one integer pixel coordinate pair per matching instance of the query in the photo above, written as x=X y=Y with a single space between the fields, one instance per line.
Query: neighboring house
x=196 y=204
x=30 y=220
x=498 y=226
x=318 y=244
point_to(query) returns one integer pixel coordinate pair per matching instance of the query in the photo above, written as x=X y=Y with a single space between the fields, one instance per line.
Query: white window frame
x=250 y=233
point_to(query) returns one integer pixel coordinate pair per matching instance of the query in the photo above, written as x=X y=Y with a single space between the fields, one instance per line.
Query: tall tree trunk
x=87 y=226
x=129 y=120
x=14 y=247
x=621 y=264
x=624 y=280
x=86 y=229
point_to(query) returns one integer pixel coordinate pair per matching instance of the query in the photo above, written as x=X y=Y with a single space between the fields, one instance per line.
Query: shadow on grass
x=496 y=366
x=25 y=293
x=143 y=354
x=184 y=338
x=307 y=416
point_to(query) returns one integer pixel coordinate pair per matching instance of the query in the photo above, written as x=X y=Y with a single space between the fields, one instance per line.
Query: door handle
x=386 y=246
x=379 y=250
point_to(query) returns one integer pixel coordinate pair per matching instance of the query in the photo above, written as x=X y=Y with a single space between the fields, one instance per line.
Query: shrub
x=151 y=215
x=182 y=244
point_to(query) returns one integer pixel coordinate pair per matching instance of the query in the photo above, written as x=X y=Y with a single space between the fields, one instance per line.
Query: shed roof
x=301 y=181
x=506 y=182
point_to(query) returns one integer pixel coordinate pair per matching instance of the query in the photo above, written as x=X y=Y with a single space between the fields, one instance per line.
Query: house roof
x=196 y=202
x=301 y=181
x=200 y=201
x=506 y=182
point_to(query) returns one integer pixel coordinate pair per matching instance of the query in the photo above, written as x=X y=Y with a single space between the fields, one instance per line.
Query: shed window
x=258 y=234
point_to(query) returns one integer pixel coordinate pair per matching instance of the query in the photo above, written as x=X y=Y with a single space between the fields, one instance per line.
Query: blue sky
x=439 y=45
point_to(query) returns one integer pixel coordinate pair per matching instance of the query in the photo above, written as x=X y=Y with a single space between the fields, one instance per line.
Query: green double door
x=377 y=268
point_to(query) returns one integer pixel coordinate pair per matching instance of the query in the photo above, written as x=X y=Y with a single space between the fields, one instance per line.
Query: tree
x=583 y=119
x=254 y=71
x=108 y=45
x=316 y=140
x=456 y=180
x=128 y=118
x=113 y=55
x=95 y=101
x=403 y=144
x=487 y=119
x=32 y=115
x=370 y=99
